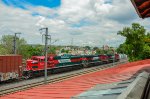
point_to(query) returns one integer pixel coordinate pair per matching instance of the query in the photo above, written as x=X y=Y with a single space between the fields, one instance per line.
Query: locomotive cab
x=36 y=63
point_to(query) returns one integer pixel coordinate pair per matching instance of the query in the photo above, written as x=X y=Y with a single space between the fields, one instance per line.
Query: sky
x=78 y=22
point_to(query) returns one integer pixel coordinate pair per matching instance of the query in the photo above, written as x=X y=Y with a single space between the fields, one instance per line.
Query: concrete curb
x=136 y=88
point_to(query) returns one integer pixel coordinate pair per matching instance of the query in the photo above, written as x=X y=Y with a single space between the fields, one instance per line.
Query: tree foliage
x=95 y=48
x=7 y=44
x=28 y=50
x=52 y=49
x=134 y=45
x=87 y=47
x=64 y=51
x=3 y=51
x=101 y=51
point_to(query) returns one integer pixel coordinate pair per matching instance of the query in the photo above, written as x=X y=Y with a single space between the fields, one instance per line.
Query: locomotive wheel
x=28 y=75
x=85 y=63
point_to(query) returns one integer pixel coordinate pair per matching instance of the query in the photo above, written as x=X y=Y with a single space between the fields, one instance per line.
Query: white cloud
x=101 y=21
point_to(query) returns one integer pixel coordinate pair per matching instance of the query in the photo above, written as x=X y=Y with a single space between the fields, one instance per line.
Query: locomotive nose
x=31 y=62
x=34 y=62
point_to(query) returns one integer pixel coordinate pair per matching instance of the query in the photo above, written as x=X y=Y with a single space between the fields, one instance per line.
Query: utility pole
x=113 y=57
x=71 y=45
x=46 y=44
x=15 y=48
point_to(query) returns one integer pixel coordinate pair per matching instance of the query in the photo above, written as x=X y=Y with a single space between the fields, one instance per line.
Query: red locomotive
x=11 y=66
x=35 y=65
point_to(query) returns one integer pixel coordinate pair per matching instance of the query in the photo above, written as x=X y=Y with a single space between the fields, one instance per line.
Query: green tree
x=146 y=52
x=100 y=51
x=62 y=50
x=52 y=50
x=87 y=47
x=24 y=51
x=122 y=48
x=7 y=43
x=110 y=51
x=28 y=50
x=23 y=48
x=147 y=39
x=3 y=51
x=134 y=43
x=95 y=48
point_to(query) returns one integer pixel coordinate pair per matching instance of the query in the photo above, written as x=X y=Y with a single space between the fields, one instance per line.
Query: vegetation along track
x=20 y=86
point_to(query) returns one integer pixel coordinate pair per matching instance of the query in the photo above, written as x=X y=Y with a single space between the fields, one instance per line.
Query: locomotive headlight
x=34 y=62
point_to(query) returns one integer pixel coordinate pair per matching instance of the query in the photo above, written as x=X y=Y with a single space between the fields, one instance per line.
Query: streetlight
x=15 y=50
x=46 y=43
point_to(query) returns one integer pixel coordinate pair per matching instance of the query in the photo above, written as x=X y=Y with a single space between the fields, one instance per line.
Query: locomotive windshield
x=38 y=58
x=42 y=60
x=35 y=58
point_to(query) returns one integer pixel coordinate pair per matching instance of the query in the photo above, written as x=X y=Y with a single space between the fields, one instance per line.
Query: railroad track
x=58 y=79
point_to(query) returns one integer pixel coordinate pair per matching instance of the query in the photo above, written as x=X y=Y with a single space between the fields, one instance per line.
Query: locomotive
x=35 y=65
x=11 y=66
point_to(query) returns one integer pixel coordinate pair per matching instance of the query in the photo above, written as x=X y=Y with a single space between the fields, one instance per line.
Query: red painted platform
x=74 y=86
